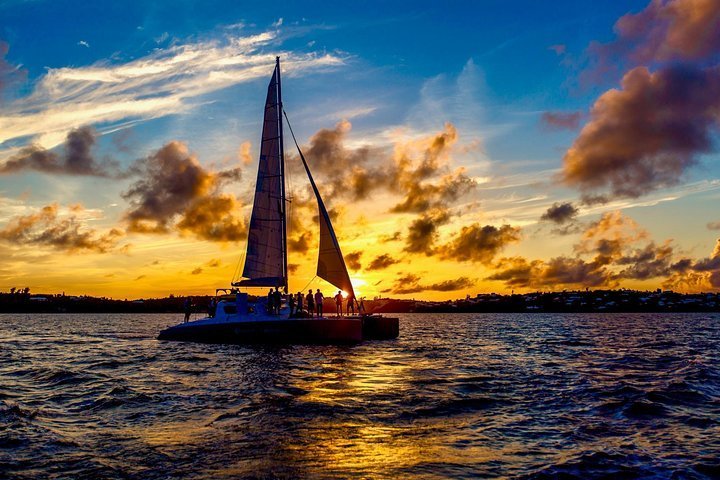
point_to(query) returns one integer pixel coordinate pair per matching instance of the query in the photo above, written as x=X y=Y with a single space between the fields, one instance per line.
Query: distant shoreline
x=597 y=301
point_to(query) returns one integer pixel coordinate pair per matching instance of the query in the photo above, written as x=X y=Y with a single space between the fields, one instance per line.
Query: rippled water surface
x=507 y=395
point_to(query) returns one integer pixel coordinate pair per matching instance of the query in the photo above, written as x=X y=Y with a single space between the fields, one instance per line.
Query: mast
x=283 y=200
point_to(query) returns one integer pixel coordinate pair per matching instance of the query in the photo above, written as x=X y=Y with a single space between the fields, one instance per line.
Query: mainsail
x=331 y=265
x=266 y=257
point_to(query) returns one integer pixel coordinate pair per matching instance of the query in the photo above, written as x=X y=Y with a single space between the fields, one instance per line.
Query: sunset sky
x=462 y=147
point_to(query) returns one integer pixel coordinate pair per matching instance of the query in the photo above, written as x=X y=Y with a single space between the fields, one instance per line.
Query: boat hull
x=288 y=331
x=343 y=330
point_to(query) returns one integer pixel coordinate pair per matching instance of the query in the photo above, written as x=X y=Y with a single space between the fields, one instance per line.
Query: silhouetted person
x=211 y=308
x=310 y=303
x=350 y=304
x=277 y=297
x=361 y=305
x=299 y=298
x=338 y=304
x=291 y=301
x=319 y=302
x=270 y=301
x=187 y=307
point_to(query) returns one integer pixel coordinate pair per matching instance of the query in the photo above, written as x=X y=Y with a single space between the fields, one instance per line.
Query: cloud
x=477 y=243
x=560 y=213
x=76 y=158
x=174 y=185
x=614 y=242
x=561 y=120
x=346 y=172
x=9 y=73
x=417 y=170
x=696 y=276
x=382 y=262
x=423 y=232
x=61 y=232
x=83 y=43
x=612 y=249
x=301 y=243
x=665 y=31
x=411 y=283
x=353 y=260
x=646 y=135
x=554 y=273
x=196 y=271
x=713 y=225
x=167 y=81
x=214 y=218
x=395 y=237
x=213 y=263
x=650 y=261
x=425 y=159
x=608 y=236
x=170 y=179
x=243 y=153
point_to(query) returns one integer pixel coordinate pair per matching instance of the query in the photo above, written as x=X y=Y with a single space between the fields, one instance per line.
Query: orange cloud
x=173 y=185
x=668 y=31
x=243 y=153
x=353 y=260
x=48 y=228
x=611 y=241
x=214 y=218
x=382 y=262
x=646 y=135
x=411 y=283
x=480 y=244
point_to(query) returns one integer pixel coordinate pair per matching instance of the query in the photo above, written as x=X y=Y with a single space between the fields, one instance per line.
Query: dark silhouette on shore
x=23 y=301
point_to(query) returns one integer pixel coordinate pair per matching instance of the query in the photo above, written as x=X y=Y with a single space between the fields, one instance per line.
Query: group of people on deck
x=300 y=305
x=274 y=301
x=311 y=302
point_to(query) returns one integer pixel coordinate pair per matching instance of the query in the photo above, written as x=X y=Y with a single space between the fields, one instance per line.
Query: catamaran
x=235 y=318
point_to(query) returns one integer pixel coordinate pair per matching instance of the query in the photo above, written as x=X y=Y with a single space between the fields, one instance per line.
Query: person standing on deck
x=338 y=304
x=187 y=307
x=350 y=304
x=291 y=300
x=299 y=299
x=270 y=302
x=278 y=300
x=319 y=303
x=310 y=303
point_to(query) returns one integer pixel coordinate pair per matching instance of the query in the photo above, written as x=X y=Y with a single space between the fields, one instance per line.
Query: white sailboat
x=236 y=319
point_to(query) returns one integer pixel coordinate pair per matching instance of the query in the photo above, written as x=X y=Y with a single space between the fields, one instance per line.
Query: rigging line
x=291 y=130
x=308 y=284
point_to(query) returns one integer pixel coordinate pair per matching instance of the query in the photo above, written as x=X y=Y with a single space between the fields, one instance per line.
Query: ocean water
x=456 y=396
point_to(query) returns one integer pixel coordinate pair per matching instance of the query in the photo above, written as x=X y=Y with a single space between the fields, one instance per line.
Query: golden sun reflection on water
x=373 y=443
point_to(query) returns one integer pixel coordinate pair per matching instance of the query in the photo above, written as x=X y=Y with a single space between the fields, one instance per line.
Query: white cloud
x=165 y=82
x=83 y=43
